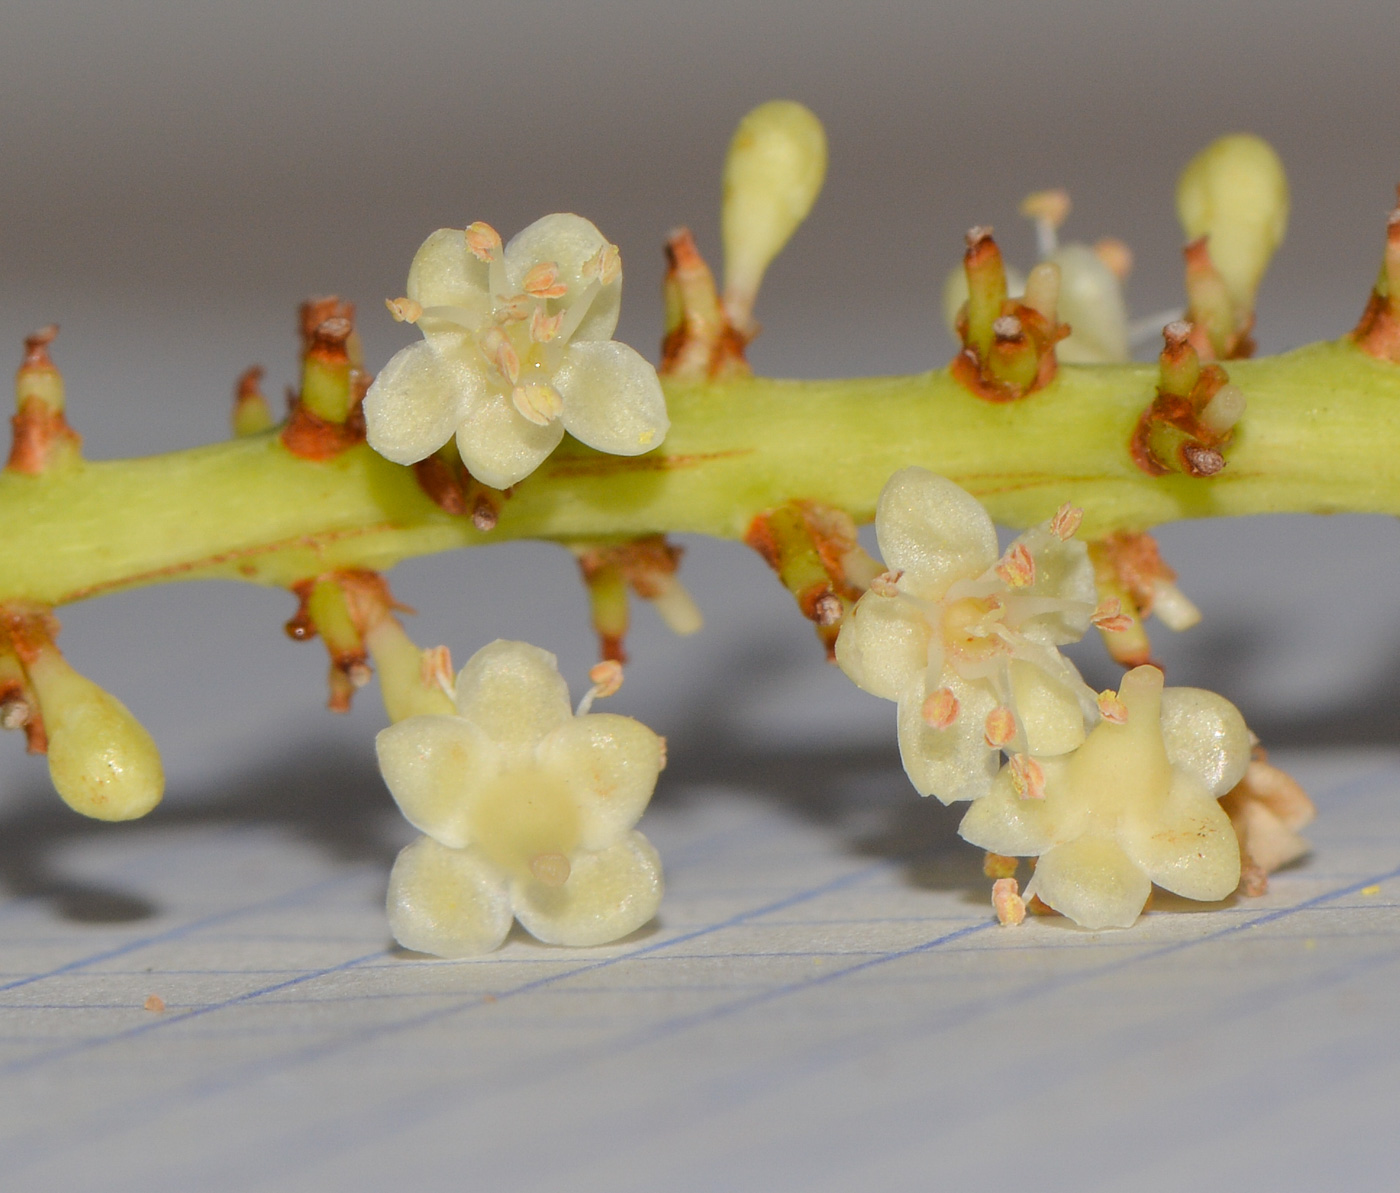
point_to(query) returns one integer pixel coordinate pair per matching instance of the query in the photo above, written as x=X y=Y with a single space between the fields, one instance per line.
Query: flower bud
x=1235 y=192
x=772 y=176
x=1091 y=302
x=102 y=762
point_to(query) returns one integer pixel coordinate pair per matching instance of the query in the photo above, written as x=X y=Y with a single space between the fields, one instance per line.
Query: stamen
x=1027 y=777
x=1000 y=727
x=1111 y=708
x=552 y=869
x=1007 y=902
x=435 y=670
x=515 y=308
x=1202 y=461
x=544 y=328
x=1065 y=524
x=404 y=310
x=497 y=348
x=542 y=281
x=607 y=679
x=1109 y=616
x=483 y=241
x=940 y=709
x=1117 y=256
x=1049 y=209
x=605 y=265
x=886 y=584
x=15 y=713
x=1017 y=567
x=541 y=404
x=827 y=609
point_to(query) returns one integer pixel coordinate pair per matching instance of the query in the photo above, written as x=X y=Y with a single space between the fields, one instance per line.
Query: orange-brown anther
x=1008 y=346
x=700 y=342
x=1378 y=332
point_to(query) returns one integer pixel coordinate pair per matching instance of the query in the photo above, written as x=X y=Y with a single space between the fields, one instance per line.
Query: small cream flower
x=966 y=643
x=517 y=350
x=528 y=812
x=1137 y=803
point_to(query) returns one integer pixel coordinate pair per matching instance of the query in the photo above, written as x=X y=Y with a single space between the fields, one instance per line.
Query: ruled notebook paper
x=825 y=1003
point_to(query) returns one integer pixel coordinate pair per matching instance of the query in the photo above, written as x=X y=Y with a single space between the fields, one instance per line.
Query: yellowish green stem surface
x=1321 y=434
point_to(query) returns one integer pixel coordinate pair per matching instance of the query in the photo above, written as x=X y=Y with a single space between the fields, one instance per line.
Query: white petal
x=499 y=445
x=611 y=764
x=513 y=693
x=444 y=272
x=1007 y=824
x=434 y=766
x=447 y=902
x=932 y=531
x=1188 y=846
x=612 y=398
x=1092 y=881
x=568 y=241
x=608 y=894
x=1205 y=734
x=416 y=402
x=954 y=763
x=1048 y=709
x=883 y=645
x=1062 y=573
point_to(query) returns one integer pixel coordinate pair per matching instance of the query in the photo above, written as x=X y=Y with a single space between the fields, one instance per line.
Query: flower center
x=522 y=817
x=970 y=627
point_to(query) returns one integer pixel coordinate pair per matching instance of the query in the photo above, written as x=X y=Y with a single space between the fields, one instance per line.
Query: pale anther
x=886 y=584
x=1109 y=616
x=552 y=869
x=359 y=674
x=14 y=714
x=1027 y=777
x=827 y=609
x=483 y=241
x=1065 y=524
x=541 y=404
x=1008 y=327
x=1017 y=567
x=605 y=265
x=1007 y=902
x=1111 y=708
x=436 y=671
x=1116 y=255
x=542 y=281
x=544 y=328
x=977 y=234
x=404 y=310
x=606 y=677
x=1000 y=727
x=940 y=709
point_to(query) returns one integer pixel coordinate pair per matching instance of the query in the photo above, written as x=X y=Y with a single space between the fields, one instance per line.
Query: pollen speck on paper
x=154 y=1003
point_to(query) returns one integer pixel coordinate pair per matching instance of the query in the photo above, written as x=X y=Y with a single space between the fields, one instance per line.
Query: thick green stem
x=1321 y=434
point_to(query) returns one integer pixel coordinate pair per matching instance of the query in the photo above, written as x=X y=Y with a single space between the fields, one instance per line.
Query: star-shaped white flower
x=527 y=810
x=1137 y=803
x=517 y=350
x=966 y=642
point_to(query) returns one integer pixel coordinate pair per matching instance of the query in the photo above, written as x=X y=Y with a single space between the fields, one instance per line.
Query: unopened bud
x=102 y=762
x=1091 y=302
x=1235 y=192
x=772 y=176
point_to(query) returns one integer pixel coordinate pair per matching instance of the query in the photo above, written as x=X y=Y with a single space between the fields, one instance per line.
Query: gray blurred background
x=178 y=176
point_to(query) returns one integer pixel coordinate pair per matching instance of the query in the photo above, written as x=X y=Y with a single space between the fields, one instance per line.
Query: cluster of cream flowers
x=527 y=812
x=1110 y=793
x=517 y=349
